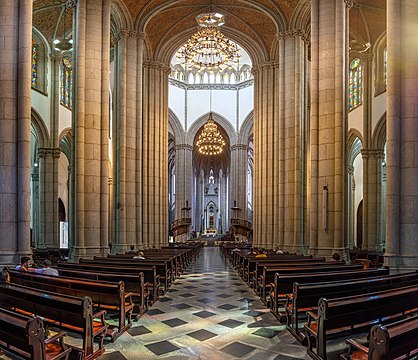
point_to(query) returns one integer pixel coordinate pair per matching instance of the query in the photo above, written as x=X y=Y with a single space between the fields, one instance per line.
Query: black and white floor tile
x=209 y=314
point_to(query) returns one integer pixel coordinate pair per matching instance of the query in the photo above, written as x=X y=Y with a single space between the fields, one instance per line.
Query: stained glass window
x=66 y=83
x=34 y=64
x=355 y=86
x=385 y=66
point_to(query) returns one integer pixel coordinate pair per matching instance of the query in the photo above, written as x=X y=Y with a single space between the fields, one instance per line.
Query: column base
x=328 y=251
x=401 y=263
x=8 y=258
x=87 y=252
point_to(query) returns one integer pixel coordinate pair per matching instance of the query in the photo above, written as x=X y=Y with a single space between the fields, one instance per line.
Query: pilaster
x=15 y=115
x=402 y=136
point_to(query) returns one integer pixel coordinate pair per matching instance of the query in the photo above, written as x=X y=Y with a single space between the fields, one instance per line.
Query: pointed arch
x=379 y=133
x=175 y=127
x=41 y=130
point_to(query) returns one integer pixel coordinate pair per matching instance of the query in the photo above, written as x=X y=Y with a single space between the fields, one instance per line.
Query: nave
x=209 y=313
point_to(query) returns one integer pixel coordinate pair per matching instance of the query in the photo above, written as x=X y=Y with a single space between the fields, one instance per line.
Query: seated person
x=262 y=253
x=47 y=269
x=139 y=255
x=253 y=252
x=279 y=251
x=132 y=251
x=335 y=257
x=24 y=264
x=4 y=276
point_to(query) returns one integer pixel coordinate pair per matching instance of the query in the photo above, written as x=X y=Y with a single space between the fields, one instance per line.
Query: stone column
x=402 y=135
x=15 y=117
x=372 y=198
x=292 y=52
x=155 y=154
x=351 y=199
x=89 y=225
x=48 y=165
x=238 y=192
x=184 y=181
x=127 y=154
x=48 y=196
x=267 y=155
x=328 y=126
x=35 y=207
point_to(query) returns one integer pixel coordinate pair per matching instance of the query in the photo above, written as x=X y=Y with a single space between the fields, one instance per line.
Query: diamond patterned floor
x=209 y=314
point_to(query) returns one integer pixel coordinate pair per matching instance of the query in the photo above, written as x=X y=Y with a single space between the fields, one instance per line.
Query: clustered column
x=90 y=172
x=127 y=150
x=292 y=48
x=402 y=135
x=155 y=154
x=48 y=168
x=267 y=155
x=15 y=115
x=184 y=180
x=239 y=167
x=328 y=126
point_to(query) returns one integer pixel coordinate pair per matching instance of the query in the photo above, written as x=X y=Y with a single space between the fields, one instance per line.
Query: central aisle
x=208 y=313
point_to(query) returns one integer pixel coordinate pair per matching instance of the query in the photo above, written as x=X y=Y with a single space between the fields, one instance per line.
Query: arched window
x=66 y=83
x=355 y=84
x=34 y=64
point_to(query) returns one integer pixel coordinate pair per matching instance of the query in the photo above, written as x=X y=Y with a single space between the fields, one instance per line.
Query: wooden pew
x=356 y=313
x=66 y=312
x=305 y=297
x=105 y=295
x=283 y=284
x=24 y=336
x=391 y=341
x=265 y=281
x=251 y=262
x=150 y=273
x=162 y=267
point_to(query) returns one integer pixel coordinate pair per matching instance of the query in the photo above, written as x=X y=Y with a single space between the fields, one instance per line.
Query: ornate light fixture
x=210 y=140
x=209 y=48
x=64 y=44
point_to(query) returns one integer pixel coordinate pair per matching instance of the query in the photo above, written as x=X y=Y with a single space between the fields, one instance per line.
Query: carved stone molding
x=292 y=33
x=349 y=3
x=268 y=65
x=239 y=147
x=372 y=153
x=157 y=65
x=184 y=147
x=128 y=33
x=45 y=152
x=350 y=169
x=70 y=4
x=110 y=181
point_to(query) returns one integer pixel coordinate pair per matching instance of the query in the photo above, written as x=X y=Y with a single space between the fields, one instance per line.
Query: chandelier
x=209 y=48
x=210 y=140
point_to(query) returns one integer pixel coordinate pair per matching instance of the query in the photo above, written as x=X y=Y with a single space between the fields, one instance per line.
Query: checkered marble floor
x=209 y=313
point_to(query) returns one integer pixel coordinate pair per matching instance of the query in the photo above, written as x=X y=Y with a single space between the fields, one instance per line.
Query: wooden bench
x=163 y=269
x=24 y=336
x=105 y=295
x=134 y=284
x=150 y=273
x=66 y=312
x=305 y=297
x=265 y=280
x=283 y=284
x=336 y=317
x=392 y=341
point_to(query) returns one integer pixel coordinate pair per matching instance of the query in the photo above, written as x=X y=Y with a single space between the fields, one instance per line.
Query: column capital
x=350 y=169
x=349 y=3
x=110 y=181
x=293 y=33
x=184 y=147
x=239 y=147
x=157 y=65
x=45 y=152
x=128 y=33
x=69 y=4
x=268 y=65
x=372 y=153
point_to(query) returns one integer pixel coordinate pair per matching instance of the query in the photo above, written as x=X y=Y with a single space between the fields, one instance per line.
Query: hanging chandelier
x=209 y=48
x=210 y=140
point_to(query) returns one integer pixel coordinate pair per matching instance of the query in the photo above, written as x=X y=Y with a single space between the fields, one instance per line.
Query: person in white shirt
x=139 y=255
x=47 y=269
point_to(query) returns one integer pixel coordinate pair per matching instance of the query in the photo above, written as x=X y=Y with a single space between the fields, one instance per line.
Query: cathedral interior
x=313 y=121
